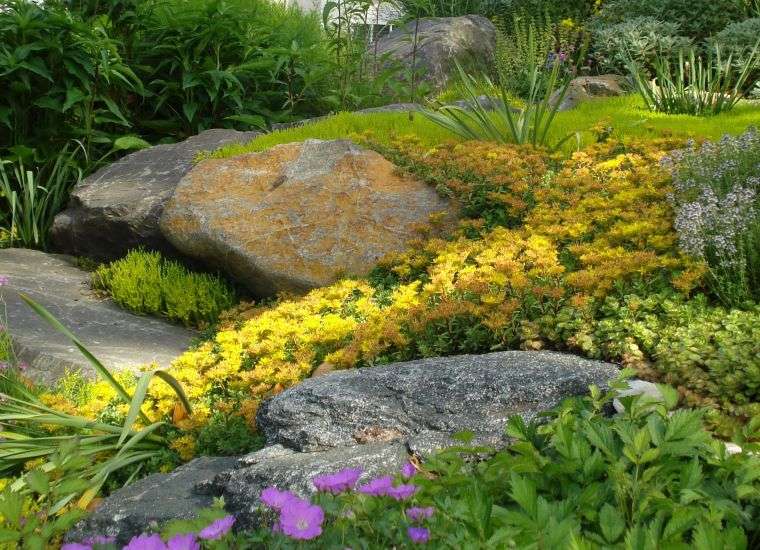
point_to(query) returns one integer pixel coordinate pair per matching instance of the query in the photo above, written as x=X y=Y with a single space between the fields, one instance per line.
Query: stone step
x=119 y=339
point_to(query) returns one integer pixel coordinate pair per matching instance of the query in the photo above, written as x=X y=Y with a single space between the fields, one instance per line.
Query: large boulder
x=120 y=339
x=426 y=399
x=584 y=88
x=374 y=418
x=469 y=40
x=118 y=207
x=298 y=215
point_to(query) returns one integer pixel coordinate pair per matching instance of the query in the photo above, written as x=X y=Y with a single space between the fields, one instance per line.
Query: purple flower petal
x=301 y=520
x=336 y=483
x=183 y=542
x=419 y=535
x=419 y=514
x=402 y=492
x=408 y=470
x=145 y=542
x=217 y=529
x=377 y=487
x=274 y=498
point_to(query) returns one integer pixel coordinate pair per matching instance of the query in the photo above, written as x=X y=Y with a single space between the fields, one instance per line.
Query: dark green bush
x=144 y=282
x=697 y=19
x=61 y=79
x=227 y=435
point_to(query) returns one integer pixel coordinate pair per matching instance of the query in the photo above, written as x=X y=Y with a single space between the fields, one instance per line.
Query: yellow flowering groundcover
x=544 y=243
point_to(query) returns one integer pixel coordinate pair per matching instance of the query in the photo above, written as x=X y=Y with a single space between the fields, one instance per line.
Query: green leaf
x=257 y=121
x=38 y=482
x=73 y=96
x=130 y=143
x=611 y=522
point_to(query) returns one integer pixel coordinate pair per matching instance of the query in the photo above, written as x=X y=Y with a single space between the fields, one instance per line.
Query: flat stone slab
x=119 y=339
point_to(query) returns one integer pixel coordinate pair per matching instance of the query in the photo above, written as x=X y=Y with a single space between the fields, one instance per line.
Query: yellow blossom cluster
x=596 y=219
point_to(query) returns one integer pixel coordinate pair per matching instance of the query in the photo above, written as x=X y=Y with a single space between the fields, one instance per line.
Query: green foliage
x=62 y=79
x=740 y=36
x=524 y=44
x=648 y=478
x=442 y=8
x=577 y=10
x=697 y=19
x=144 y=282
x=34 y=431
x=40 y=514
x=642 y=39
x=530 y=125
x=30 y=199
x=694 y=85
x=227 y=435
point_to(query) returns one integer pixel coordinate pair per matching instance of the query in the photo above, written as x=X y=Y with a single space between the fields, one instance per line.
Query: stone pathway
x=121 y=340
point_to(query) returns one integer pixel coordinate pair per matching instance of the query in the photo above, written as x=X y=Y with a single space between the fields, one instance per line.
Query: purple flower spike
x=419 y=514
x=377 y=487
x=408 y=470
x=336 y=483
x=419 y=535
x=145 y=542
x=274 y=498
x=301 y=521
x=183 y=542
x=402 y=492
x=76 y=546
x=217 y=529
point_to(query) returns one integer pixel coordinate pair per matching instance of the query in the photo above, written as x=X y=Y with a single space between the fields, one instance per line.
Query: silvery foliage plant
x=716 y=197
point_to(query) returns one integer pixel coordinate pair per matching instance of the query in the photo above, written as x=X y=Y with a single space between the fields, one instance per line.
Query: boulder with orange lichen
x=298 y=215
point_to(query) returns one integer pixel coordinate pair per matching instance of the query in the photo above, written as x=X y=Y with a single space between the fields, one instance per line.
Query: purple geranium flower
x=419 y=535
x=301 y=520
x=419 y=514
x=345 y=480
x=274 y=498
x=76 y=546
x=4 y=280
x=377 y=487
x=217 y=529
x=183 y=542
x=408 y=470
x=402 y=492
x=145 y=542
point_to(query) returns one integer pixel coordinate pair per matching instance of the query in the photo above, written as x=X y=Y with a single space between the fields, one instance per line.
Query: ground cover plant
x=650 y=477
x=144 y=282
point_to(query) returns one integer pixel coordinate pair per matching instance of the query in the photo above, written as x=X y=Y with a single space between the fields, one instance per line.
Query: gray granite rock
x=584 y=88
x=426 y=399
x=279 y=467
x=118 y=207
x=152 y=501
x=120 y=339
x=469 y=40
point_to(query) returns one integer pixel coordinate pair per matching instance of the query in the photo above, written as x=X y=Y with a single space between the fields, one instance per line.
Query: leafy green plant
x=144 y=282
x=524 y=44
x=33 y=198
x=227 y=435
x=33 y=431
x=530 y=125
x=62 y=79
x=651 y=477
x=642 y=39
x=693 y=85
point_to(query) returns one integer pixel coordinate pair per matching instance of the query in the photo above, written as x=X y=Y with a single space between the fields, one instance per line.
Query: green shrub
x=697 y=19
x=692 y=84
x=740 y=36
x=649 y=478
x=62 y=79
x=227 y=435
x=577 y=10
x=144 y=282
x=639 y=38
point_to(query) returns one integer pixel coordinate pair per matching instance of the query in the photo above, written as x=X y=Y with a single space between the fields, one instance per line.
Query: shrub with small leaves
x=144 y=282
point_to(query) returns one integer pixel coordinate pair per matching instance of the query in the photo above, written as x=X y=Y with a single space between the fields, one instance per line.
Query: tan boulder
x=584 y=88
x=298 y=215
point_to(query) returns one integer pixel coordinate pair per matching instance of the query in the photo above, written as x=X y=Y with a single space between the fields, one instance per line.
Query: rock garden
x=379 y=275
